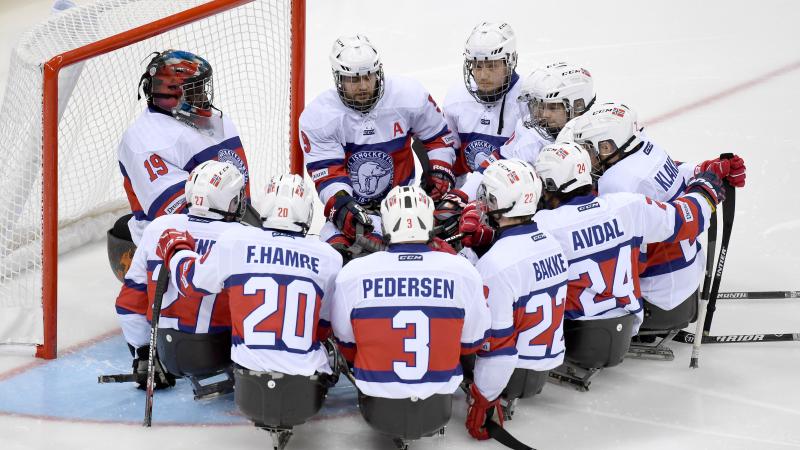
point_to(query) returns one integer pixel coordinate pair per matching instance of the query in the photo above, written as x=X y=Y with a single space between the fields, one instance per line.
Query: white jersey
x=278 y=284
x=602 y=237
x=480 y=129
x=404 y=317
x=368 y=154
x=525 y=144
x=204 y=314
x=157 y=153
x=525 y=275
x=673 y=270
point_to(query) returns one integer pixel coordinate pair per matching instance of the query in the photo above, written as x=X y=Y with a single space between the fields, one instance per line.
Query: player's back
x=409 y=312
x=277 y=283
x=671 y=270
x=528 y=268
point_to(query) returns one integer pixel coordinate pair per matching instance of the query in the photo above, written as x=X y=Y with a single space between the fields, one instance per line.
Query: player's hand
x=439 y=245
x=479 y=411
x=473 y=225
x=440 y=180
x=709 y=185
x=348 y=216
x=732 y=170
x=171 y=241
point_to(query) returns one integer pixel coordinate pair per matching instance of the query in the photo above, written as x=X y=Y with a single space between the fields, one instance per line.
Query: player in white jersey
x=602 y=236
x=405 y=316
x=179 y=130
x=481 y=110
x=629 y=161
x=357 y=140
x=216 y=192
x=525 y=275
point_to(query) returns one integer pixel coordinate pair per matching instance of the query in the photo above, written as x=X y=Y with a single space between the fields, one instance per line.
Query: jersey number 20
x=298 y=299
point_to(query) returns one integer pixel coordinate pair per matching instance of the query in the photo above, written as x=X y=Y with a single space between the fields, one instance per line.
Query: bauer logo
x=592 y=205
x=409 y=258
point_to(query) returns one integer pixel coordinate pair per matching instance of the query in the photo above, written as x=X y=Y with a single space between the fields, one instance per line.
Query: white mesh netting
x=249 y=48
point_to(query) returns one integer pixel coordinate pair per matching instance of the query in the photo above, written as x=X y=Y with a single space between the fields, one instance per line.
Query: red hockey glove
x=440 y=180
x=473 y=225
x=733 y=170
x=439 y=245
x=171 y=241
x=480 y=411
x=709 y=185
x=348 y=216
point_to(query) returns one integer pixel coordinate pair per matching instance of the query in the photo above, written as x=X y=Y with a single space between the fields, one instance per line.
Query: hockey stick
x=758 y=295
x=689 y=338
x=728 y=214
x=161 y=287
x=499 y=434
x=701 y=310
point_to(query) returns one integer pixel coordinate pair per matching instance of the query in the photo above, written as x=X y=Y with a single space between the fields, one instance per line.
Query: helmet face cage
x=508 y=62
x=180 y=83
x=539 y=122
x=360 y=105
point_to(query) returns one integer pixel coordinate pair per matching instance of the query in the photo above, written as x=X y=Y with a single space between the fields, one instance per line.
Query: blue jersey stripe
x=389 y=376
x=388 y=312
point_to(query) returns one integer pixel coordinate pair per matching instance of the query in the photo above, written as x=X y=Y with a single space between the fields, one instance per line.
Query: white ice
x=657 y=57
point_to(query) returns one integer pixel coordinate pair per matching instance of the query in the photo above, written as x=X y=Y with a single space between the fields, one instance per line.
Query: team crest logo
x=371 y=174
x=477 y=152
x=230 y=156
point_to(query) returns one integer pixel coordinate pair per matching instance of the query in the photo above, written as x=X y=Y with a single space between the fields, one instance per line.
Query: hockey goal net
x=71 y=93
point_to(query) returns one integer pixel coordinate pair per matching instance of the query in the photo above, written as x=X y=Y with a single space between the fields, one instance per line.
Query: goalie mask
x=357 y=72
x=609 y=130
x=510 y=188
x=215 y=190
x=553 y=95
x=288 y=204
x=407 y=215
x=564 y=167
x=490 y=57
x=181 y=84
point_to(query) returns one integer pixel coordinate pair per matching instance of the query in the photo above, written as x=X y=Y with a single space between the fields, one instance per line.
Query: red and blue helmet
x=180 y=83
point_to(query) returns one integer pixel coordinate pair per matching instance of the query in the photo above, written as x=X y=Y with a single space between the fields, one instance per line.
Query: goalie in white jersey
x=629 y=161
x=357 y=140
x=216 y=199
x=179 y=130
x=481 y=111
x=602 y=236
x=405 y=316
x=525 y=275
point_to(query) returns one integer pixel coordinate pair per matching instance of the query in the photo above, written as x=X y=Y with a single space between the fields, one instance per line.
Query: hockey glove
x=709 y=185
x=473 y=225
x=348 y=216
x=163 y=378
x=438 y=245
x=733 y=170
x=440 y=180
x=479 y=412
x=447 y=212
x=171 y=241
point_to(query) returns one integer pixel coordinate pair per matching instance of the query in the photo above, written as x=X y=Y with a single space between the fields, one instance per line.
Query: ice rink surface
x=706 y=77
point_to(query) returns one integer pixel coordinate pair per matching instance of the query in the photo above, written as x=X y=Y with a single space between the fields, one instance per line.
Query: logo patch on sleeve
x=319 y=174
x=687 y=212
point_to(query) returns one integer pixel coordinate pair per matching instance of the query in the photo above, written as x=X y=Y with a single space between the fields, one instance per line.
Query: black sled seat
x=524 y=383
x=407 y=419
x=592 y=345
x=277 y=402
x=660 y=326
x=198 y=357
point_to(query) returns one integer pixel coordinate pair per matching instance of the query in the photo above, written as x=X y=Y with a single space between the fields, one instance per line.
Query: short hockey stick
x=758 y=295
x=161 y=287
x=689 y=338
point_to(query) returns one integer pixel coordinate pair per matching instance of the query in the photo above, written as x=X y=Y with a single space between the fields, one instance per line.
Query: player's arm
x=341 y=308
x=324 y=330
x=194 y=275
x=431 y=128
x=132 y=303
x=477 y=317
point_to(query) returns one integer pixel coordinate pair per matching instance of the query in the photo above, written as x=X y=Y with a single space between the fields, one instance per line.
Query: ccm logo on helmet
x=615 y=111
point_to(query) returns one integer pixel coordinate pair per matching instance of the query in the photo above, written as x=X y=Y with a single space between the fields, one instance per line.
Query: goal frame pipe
x=51 y=69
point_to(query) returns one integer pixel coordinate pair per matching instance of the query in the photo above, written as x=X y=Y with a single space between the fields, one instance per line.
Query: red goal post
x=50 y=124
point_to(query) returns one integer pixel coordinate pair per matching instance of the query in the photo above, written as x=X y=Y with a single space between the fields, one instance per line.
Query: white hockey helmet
x=564 y=167
x=510 y=188
x=215 y=190
x=356 y=58
x=288 y=204
x=566 y=84
x=610 y=130
x=490 y=41
x=407 y=215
